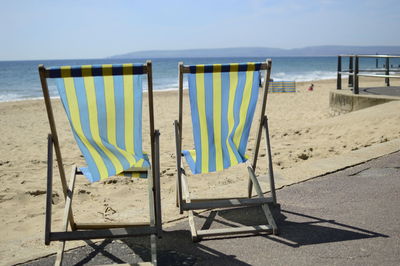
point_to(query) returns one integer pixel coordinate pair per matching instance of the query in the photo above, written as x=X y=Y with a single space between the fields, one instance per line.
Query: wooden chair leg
x=265 y=207
x=153 y=211
x=249 y=188
x=176 y=193
x=156 y=185
x=153 y=246
x=185 y=190
x=150 y=191
x=270 y=165
x=60 y=254
x=49 y=191
x=68 y=203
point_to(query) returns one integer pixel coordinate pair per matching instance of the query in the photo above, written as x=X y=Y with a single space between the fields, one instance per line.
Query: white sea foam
x=17 y=98
x=9 y=97
x=304 y=76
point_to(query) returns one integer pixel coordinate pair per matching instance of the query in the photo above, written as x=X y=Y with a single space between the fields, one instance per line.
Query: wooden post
x=350 y=71
x=387 y=72
x=339 y=75
x=355 y=76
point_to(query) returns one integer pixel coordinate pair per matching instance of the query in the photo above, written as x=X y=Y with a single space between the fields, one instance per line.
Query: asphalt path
x=388 y=91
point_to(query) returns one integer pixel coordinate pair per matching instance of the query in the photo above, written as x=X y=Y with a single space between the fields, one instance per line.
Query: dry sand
x=301 y=127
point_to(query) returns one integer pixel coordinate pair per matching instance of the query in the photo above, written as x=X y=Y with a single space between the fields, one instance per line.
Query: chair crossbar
x=224 y=203
x=188 y=69
x=103 y=233
x=235 y=230
x=85 y=226
x=97 y=70
x=226 y=198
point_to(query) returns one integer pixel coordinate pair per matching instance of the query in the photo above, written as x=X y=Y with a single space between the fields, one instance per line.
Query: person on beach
x=311 y=88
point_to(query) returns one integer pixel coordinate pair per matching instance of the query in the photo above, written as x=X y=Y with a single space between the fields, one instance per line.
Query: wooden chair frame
x=85 y=231
x=185 y=203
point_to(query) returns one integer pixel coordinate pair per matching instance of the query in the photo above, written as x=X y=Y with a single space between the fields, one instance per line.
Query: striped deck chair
x=103 y=104
x=283 y=86
x=223 y=99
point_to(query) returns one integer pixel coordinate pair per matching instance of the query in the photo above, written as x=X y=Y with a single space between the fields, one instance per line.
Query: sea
x=19 y=80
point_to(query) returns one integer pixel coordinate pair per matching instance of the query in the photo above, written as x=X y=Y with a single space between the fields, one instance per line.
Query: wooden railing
x=354 y=70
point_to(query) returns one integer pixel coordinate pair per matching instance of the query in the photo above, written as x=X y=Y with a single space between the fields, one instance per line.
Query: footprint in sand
x=303 y=156
x=4 y=163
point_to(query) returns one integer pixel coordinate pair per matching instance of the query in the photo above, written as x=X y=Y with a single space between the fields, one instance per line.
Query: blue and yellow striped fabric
x=283 y=86
x=104 y=107
x=223 y=100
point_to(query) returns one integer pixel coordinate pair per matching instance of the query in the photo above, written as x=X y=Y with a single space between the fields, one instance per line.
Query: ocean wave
x=304 y=76
x=17 y=97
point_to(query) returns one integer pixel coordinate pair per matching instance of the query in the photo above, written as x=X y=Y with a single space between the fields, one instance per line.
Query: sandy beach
x=302 y=128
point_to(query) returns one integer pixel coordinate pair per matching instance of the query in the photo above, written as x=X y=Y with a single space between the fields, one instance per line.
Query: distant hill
x=327 y=50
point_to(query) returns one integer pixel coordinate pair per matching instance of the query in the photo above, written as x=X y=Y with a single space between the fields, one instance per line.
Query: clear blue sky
x=63 y=29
